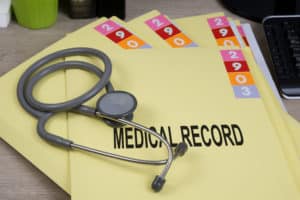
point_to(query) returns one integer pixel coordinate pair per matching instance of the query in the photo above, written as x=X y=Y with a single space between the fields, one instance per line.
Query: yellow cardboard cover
x=60 y=174
x=185 y=94
x=18 y=128
x=289 y=141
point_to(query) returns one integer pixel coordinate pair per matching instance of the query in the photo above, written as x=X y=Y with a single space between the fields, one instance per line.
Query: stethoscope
x=115 y=108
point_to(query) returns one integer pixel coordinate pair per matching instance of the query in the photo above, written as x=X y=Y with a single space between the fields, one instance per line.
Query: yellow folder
x=178 y=96
x=18 y=128
x=289 y=141
x=203 y=32
x=77 y=159
x=86 y=36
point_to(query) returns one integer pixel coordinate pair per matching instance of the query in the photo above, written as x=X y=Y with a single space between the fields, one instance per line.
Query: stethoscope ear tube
x=51 y=138
x=180 y=150
x=158 y=181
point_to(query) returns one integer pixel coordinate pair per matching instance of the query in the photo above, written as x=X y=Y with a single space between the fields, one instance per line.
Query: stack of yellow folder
x=196 y=80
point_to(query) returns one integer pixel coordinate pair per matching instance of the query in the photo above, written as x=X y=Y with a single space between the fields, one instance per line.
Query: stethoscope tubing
x=44 y=111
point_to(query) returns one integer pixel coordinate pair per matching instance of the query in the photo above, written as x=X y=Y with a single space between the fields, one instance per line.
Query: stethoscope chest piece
x=116 y=105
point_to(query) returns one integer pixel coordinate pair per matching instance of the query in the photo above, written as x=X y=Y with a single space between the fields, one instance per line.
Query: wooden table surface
x=18 y=178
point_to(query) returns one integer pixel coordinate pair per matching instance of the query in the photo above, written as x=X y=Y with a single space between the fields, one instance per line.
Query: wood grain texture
x=19 y=179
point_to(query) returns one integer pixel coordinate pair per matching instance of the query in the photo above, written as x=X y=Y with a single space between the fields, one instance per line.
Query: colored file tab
x=158 y=22
x=132 y=42
x=239 y=74
x=228 y=42
x=236 y=66
x=241 y=31
x=249 y=91
x=218 y=22
x=232 y=55
x=179 y=40
x=107 y=27
x=120 y=35
x=240 y=78
x=167 y=31
x=222 y=31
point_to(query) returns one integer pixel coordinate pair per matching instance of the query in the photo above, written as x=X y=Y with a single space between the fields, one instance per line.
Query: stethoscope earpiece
x=180 y=149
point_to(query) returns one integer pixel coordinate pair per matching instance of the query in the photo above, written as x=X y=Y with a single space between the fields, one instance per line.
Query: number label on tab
x=169 y=32
x=179 y=40
x=239 y=74
x=232 y=55
x=158 y=22
x=120 y=35
x=240 y=78
x=236 y=66
x=228 y=42
x=132 y=42
x=247 y=91
x=223 y=32
x=107 y=27
x=218 y=22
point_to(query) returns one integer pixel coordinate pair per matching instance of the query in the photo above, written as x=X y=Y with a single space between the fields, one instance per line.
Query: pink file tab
x=158 y=22
x=107 y=27
x=232 y=55
x=218 y=22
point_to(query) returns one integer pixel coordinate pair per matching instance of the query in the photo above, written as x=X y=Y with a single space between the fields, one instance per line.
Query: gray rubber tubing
x=42 y=111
